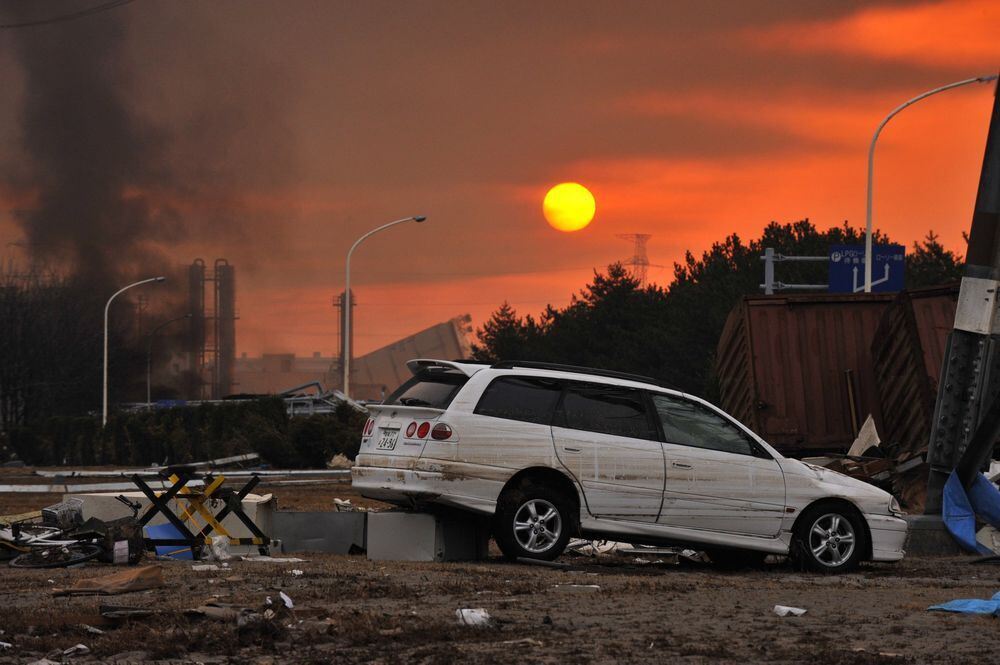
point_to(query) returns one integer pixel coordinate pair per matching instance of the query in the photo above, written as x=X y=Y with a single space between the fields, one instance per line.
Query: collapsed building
x=373 y=375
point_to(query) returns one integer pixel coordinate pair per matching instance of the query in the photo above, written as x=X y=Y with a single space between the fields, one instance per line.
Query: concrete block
x=928 y=537
x=400 y=536
x=339 y=533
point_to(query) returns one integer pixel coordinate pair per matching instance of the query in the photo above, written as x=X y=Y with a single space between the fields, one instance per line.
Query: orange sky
x=299 y=126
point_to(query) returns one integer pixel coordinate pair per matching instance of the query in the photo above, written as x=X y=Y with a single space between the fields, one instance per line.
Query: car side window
x=528 y=399
x=607 y=410
x=691 y=424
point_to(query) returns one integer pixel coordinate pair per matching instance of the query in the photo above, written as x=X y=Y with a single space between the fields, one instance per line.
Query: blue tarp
x=169 y=532
x=971 y=606
x=959 y=510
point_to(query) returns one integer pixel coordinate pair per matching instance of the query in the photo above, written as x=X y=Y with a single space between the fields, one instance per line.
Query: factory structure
x=209 y=354
x=211 y=343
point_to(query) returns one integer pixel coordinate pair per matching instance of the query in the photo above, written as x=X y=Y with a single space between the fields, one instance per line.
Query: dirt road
x=348 y=609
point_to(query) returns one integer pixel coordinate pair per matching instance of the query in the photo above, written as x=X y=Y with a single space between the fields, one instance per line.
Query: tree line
x=671 y=332
x=189 y=434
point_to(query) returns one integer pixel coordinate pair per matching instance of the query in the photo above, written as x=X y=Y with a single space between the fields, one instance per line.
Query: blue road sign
x=847 y=268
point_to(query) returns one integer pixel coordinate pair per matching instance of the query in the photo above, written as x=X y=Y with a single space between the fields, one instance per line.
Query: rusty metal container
x=907 y=354
x=797 y=369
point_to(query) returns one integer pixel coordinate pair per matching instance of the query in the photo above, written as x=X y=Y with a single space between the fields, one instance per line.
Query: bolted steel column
x=970 y=376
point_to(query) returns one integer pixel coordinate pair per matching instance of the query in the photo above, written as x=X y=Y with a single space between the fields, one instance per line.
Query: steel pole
x=966 y=422
x=107 y=306
x=871 y=163
x=346 y=332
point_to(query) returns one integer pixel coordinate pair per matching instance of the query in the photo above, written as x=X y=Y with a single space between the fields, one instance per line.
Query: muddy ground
x=350 y=610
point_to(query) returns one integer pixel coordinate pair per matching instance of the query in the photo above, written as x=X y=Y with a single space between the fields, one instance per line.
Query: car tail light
x=369 y=427
x=411 y=428
x=423 y=429
x=441 y=432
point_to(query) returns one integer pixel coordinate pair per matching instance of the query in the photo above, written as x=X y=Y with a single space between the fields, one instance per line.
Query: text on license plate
x=388 y=439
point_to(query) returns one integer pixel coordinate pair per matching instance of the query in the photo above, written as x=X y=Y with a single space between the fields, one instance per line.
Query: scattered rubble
x=124 y=581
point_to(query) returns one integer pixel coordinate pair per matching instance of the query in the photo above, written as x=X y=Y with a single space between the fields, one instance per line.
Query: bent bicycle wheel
x=56 y=557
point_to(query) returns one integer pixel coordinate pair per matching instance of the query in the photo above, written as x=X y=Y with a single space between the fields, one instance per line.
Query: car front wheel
x=830 y=540
x=533 y=522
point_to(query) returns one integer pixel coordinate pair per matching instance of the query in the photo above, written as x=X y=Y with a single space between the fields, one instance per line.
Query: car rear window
x=433 y=388
x=530 y=400
x=607 y=410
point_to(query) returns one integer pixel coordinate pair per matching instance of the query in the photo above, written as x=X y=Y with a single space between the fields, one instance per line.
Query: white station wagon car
x=552 y=451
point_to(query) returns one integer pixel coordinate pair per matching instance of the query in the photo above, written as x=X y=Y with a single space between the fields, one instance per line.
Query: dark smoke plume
x=91 y=158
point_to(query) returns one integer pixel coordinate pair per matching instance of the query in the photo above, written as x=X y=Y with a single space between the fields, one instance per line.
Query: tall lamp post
x=104 y=407
x=149 y=354
x=346 y=341
x=871 y=163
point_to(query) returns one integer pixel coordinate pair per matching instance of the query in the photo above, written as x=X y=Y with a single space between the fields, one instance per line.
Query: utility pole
x=970 y=376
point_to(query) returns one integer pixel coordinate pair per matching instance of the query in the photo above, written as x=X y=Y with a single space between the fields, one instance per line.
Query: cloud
x=949 y=34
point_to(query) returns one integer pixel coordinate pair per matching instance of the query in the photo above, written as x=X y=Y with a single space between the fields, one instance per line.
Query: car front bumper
x=888 y=537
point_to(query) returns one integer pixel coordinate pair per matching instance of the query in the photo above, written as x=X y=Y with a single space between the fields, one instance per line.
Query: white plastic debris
x=76 y=650
x=5 y=645
x=784 y=611
x=473 y=617
x=296 y=572
x=91 y=629
x=220 y=549
x=120 y=552
x=204 y=567
x=287 y=600
x=580 y=588
x=273 y=559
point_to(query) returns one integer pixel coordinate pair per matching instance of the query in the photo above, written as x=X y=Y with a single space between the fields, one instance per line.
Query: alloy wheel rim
x=537 y=525
x=832 y=540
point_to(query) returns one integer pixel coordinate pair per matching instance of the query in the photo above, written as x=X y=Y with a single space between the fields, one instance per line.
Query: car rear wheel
x=830 y=539
x=533 y=522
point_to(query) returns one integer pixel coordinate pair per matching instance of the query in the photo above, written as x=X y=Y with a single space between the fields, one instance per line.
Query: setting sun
x=568 y=207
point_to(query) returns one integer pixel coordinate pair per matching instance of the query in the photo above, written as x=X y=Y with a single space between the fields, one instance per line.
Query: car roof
x=551 y=370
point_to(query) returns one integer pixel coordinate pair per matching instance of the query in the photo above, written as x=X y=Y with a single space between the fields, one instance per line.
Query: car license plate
x=388 y=439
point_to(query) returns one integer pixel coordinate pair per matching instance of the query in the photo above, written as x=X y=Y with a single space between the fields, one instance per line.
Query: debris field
x=602 y=609
x=611 y=607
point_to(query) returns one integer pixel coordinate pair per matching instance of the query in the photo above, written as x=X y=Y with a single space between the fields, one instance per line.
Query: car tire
x=533 y=521
x=736 y=559
x=829 y=539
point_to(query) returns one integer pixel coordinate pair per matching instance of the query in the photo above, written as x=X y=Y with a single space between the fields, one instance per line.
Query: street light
x=149 y=353
x=871 y=164
x=104 y=407
x=346 y=341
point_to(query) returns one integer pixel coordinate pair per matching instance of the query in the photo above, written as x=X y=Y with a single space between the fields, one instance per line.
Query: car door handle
x=680 y=465
x=570 y=450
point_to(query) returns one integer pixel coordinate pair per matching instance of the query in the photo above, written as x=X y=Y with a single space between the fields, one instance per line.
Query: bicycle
x=43 y=546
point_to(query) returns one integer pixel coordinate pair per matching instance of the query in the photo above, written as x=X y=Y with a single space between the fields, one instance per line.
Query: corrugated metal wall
x=907 y=354
x=797 y=368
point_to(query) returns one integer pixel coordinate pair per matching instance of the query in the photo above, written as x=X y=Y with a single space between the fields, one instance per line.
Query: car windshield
x=430 y=387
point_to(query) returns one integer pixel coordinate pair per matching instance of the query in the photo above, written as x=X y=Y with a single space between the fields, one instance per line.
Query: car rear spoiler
x=428 y=412
x=467 y=369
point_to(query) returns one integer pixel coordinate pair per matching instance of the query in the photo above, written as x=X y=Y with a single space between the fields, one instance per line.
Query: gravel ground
x=350 y=610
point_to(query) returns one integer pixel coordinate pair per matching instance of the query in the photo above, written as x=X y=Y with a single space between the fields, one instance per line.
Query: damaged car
x=552 y=451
